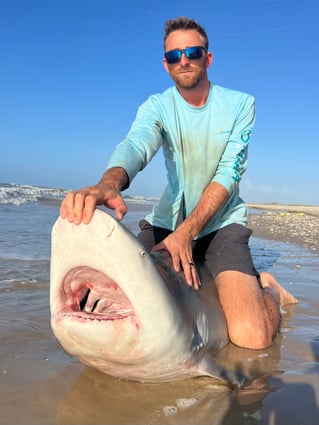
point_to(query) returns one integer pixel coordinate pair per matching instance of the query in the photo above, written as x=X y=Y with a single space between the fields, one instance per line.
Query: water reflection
x=96 y=398
x=271 y=396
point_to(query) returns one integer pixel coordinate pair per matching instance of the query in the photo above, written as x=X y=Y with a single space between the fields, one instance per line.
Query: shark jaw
x=89 y=294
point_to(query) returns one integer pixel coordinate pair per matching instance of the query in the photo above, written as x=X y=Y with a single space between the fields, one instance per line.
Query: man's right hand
x=78 y=206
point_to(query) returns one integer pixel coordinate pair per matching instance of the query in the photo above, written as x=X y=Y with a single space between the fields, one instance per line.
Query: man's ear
x=209 y=59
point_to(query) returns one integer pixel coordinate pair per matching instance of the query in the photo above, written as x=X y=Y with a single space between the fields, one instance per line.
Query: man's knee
x=246 y=310
x=252 y=336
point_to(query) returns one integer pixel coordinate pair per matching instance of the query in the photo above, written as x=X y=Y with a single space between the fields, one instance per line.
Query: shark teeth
x=96 y=317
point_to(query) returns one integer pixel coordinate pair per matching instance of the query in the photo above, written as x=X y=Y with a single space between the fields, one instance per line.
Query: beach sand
x=41 y=383
x=297 y=224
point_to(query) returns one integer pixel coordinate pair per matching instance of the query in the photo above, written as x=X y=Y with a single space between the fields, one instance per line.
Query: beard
x=188 y=78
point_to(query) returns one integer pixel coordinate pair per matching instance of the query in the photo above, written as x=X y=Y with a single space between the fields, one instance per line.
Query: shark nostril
x=84 y=299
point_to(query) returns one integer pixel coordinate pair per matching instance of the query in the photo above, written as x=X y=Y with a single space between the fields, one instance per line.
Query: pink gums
x=88 y=295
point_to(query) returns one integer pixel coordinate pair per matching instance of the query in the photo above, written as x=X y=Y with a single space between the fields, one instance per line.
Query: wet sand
x=41 y=384
x=297 y=224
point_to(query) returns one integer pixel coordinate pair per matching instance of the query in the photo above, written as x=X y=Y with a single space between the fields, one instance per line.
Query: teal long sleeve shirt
x=200 y=145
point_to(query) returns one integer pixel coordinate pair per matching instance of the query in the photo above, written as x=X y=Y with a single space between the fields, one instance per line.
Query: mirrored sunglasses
x=194 y=52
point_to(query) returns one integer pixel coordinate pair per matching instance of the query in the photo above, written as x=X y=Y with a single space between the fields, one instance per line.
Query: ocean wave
x=17 y=194
x=140 y=199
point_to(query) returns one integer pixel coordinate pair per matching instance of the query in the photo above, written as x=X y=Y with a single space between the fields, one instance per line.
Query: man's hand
x=179 y=245
x=78 y=206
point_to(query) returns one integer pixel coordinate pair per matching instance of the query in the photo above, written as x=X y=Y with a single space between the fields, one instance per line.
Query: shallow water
x=41 y=384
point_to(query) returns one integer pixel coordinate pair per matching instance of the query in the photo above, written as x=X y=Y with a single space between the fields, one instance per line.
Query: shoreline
x=289 y=208
x=297 y=224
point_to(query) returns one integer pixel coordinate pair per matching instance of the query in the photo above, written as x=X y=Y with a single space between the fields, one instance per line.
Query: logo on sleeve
x=245 y=135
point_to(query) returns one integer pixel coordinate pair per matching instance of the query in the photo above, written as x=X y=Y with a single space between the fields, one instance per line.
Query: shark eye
x=143 y=254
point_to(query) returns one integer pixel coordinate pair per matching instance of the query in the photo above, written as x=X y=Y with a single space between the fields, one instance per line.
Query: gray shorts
x=222 y=250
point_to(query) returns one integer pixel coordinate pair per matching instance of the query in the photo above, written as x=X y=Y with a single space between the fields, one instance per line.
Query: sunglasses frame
x=187 y=52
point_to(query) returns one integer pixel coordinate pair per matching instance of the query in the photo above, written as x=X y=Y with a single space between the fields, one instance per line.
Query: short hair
x=183 y=23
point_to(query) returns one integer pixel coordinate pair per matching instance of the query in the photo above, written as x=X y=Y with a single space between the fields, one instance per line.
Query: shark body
x=125 y=311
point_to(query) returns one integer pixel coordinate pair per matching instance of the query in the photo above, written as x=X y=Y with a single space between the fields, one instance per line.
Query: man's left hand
x=179 y=245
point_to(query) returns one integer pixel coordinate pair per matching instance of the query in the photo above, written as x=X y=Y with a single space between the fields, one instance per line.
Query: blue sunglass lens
x=173 y=56
x=193 y=53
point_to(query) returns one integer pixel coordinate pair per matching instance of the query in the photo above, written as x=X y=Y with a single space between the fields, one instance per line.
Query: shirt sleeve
x=233 y=162
x=141 y=143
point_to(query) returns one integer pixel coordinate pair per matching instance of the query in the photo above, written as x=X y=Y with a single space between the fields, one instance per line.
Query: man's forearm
x=116 y=177
x=212 y=199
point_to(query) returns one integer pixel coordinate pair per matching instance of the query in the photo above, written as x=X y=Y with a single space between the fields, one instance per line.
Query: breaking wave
x=17 y=194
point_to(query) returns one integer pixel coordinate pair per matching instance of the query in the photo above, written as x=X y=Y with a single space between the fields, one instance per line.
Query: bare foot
x=268 y=281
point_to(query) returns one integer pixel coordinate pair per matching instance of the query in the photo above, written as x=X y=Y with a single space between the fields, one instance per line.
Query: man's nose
x=184 y=60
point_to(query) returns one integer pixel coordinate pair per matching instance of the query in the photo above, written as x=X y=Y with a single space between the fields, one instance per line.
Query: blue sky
x=73 y=73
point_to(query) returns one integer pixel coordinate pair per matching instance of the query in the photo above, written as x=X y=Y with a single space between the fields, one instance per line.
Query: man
x=204 y=131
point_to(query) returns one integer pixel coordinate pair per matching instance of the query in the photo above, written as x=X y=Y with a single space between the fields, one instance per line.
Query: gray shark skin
x=126 y=312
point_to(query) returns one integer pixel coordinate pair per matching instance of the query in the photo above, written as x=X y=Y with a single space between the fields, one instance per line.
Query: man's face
x=188 y=73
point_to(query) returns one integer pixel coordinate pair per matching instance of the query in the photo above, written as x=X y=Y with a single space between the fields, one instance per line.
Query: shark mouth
x=92 y=295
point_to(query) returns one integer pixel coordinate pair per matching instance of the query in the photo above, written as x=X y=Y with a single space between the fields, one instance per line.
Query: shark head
x=123 y=310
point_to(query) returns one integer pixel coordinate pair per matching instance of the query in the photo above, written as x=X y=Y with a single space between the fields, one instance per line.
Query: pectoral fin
x=209 y=367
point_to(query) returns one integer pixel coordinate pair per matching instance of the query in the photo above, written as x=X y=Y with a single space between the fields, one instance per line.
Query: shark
x=127 y=312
